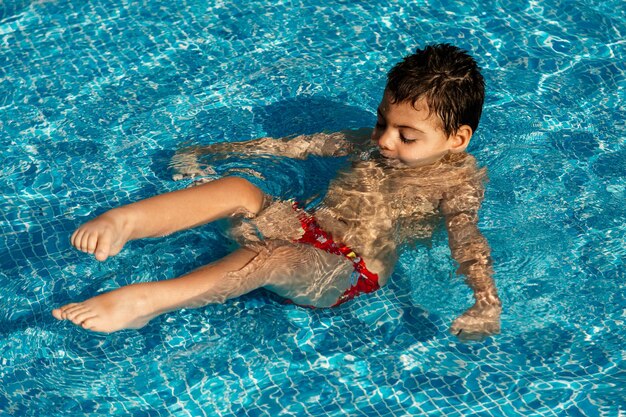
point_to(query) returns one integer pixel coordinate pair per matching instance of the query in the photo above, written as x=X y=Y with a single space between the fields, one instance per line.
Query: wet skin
x=406 y=134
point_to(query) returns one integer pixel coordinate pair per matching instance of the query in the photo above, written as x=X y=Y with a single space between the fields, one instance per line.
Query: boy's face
x=412 y=135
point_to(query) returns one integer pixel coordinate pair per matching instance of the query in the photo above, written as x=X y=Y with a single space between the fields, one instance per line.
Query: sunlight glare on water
x=95 y=97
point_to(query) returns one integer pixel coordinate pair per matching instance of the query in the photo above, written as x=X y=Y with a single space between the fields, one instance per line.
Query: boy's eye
x=406 y=140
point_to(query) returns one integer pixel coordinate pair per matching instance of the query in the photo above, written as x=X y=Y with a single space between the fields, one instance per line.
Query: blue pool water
x=96 y=96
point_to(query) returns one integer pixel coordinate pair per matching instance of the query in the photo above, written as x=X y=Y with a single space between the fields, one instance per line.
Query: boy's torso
x=373 y=208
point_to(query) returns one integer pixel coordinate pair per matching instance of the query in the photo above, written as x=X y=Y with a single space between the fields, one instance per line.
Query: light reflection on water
x=96 y=99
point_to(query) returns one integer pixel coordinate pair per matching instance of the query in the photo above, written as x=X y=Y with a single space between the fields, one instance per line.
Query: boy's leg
x=134 y=305
x=166 y=213
x=302 y=273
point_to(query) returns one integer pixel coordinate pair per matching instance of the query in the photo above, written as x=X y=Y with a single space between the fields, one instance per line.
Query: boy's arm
x=473 y=254
x=299 y=147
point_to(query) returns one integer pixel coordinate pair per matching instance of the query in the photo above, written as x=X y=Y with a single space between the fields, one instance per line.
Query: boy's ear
x=460 y=139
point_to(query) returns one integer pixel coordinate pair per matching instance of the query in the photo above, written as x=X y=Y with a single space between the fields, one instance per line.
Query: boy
x=418 y=172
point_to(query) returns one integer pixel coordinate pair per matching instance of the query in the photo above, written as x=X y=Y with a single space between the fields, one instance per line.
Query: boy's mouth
x=387 y=159
x=385 y=154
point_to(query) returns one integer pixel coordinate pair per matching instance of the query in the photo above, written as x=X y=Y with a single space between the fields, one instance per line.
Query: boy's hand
x=186 y=165
x=478 y=322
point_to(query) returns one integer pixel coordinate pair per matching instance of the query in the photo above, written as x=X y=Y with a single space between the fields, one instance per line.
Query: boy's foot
x=477 y=322
x=125 y=308
x=103 y=236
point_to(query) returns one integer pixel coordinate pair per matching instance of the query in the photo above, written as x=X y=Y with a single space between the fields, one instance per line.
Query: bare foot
x=125 y=308
x=103 y=236
x=477 y=322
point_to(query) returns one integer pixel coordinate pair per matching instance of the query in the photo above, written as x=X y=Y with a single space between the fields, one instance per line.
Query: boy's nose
x=385 y=141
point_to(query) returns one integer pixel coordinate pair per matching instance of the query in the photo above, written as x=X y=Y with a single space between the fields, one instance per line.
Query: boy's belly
x=280 y=221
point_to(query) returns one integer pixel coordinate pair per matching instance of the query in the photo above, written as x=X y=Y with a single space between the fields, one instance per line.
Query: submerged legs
x=301 y=273
x=134 y=305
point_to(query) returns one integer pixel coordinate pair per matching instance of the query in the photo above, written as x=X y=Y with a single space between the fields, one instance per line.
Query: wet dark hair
x=448 y=79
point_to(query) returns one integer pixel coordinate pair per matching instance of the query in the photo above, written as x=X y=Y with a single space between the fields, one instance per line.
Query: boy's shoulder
x=464 y=170
x=465 y=186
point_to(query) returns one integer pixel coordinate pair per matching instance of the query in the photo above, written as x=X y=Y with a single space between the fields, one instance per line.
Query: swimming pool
x=96 y=96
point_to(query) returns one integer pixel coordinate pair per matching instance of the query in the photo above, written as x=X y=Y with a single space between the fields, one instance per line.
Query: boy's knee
x=252 y=198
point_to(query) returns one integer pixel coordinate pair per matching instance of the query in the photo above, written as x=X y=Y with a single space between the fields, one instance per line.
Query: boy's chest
x=411 y=197
x=413 y=202
x=386 y=196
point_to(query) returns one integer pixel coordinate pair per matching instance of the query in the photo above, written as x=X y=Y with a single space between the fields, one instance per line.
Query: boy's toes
x=77 y=237
x=82 y=241
x=91 y=324
x=77 y=313
x=87 y=324
x=57 y=313
x=61 y=313
x=72 y=311
x=78 y=316
x=104 y=247
x=82 y=317
x=65 y=310
x=101 y=255
x=92 y=241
